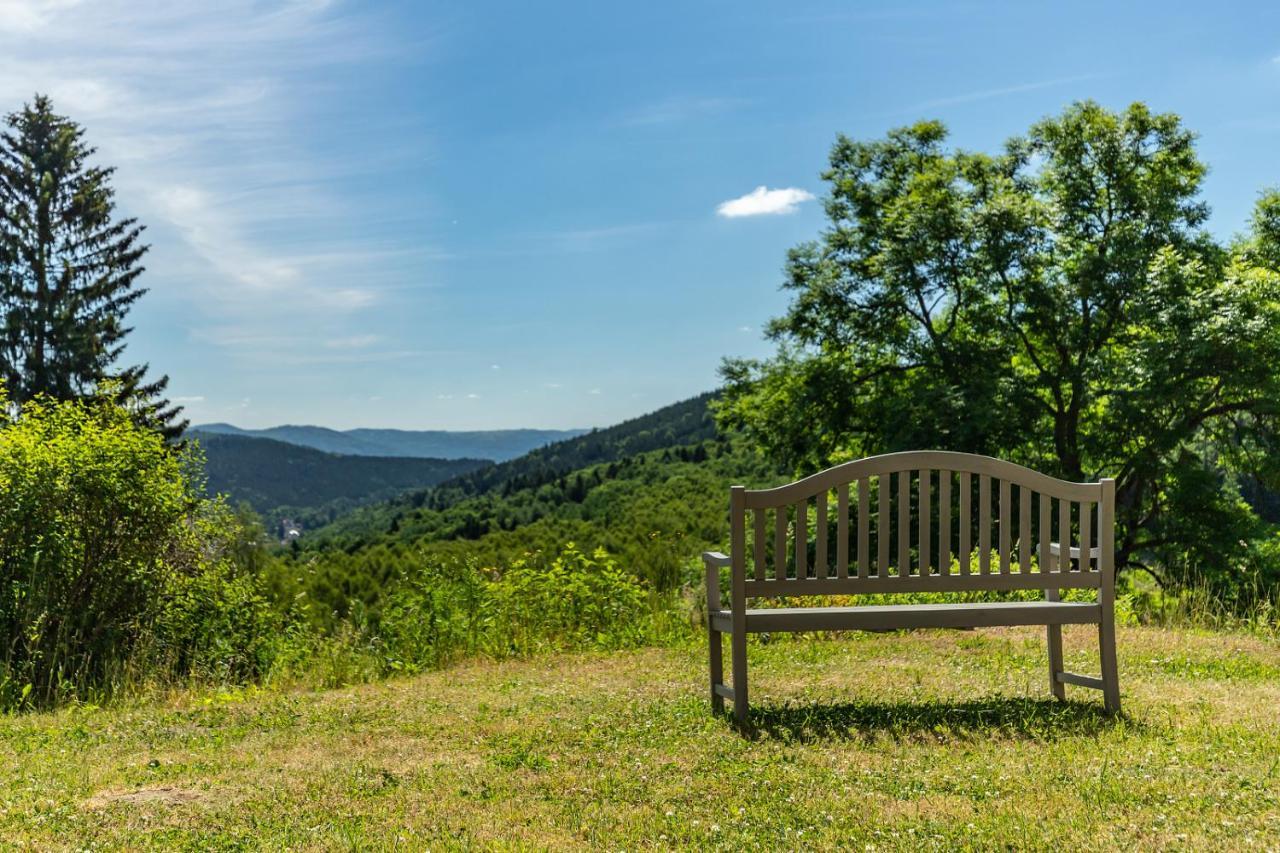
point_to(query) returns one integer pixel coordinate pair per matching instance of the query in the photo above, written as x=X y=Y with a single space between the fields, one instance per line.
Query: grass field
x=921 y=740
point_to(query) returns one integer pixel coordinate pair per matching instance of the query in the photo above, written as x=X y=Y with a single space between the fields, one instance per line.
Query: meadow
x=943 y=740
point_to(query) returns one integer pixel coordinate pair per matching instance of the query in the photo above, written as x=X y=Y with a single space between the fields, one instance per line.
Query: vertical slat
x=757 y=542
x=944 y=522
x=864 y=527
x=1107 y=594
x=842 y=530
x=780 y=543
x=802 y=539
x=820 y=567
x=882 y=526
x=1046 y=532
x=1086 y=534
x=926 y=519
x=904 y=524
x=984 y=524
x=1024 y=529
x=738 y=598
x=1064 y=536
x=1004 y=526
x=966 y=522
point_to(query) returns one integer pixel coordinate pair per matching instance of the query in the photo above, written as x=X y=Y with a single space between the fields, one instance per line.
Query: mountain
x=278 y=478
x=497 y=445
x=686 y=424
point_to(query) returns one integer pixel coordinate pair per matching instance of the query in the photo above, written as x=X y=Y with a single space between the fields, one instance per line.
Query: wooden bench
x=899 y=519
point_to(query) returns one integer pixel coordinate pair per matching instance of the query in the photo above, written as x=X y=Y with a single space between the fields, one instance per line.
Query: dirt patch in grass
x=161 y=794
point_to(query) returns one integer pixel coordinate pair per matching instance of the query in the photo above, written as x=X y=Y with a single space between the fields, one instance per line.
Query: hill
x=278 y=478
x=496 y=445
x=523 y=490
x=918 y=740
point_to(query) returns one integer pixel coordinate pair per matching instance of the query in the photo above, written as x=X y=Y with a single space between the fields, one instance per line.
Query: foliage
x=68 y=270
x=280 y=479
x=1057 y=304
x=109 y=564
x=559 y=466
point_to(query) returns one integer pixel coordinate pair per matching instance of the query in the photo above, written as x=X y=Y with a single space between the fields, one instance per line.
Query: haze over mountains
x=497 y=445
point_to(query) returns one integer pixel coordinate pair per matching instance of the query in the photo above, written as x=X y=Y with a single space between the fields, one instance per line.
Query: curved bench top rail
x=912 y=460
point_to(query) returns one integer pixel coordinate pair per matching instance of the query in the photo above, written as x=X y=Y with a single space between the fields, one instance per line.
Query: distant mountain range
x=497 y=445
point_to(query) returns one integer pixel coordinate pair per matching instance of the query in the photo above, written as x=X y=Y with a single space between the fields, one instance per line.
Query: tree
x=69 y=268
x=1057 y=303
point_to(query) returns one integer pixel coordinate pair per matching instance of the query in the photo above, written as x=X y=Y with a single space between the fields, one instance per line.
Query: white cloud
x=744 y=328
x=473 y=396
x=185 y=400
x=763 y=201
x=595 y=391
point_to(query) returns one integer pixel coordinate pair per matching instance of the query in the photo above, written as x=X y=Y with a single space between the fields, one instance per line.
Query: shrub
x=111 y=566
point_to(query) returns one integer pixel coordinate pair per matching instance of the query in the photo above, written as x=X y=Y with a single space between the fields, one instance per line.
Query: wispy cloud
x=202 y=107
x=678 y=109
x=763 y=201
x=999 y=92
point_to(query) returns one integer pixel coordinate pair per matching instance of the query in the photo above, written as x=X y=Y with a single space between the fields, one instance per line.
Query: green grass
x=932 y=739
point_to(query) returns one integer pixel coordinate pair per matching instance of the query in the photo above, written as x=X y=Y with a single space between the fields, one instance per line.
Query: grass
x=931 y=739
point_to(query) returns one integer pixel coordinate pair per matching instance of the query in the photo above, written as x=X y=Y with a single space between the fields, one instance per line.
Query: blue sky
x=484 y=215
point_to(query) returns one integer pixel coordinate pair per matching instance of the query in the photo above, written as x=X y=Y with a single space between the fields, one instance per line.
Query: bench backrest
x=900 y=519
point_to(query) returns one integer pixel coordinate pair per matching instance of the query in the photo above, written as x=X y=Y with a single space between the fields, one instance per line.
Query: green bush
x=443 y=611
x=111 y=567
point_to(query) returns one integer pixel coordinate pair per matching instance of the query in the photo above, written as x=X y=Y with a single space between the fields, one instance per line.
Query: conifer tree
x=69 y=269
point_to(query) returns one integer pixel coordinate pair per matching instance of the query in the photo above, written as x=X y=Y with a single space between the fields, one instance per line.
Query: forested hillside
x=654 y=512
x=682 y=424
x=276 y=478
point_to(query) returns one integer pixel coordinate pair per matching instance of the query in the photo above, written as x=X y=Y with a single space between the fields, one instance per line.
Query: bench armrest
x=714 y=560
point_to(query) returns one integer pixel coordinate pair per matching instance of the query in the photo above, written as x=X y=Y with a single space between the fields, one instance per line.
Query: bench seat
x=895 y=616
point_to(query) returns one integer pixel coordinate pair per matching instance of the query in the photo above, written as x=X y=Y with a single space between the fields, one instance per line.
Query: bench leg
x=1054 y=635
x=1107 y=651
x=738 y=644
x=717 y=667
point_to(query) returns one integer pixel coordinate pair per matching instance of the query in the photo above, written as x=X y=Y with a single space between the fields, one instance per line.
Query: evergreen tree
x=68 y=271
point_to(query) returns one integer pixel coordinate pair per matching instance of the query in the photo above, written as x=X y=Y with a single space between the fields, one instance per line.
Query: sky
x=481 y=215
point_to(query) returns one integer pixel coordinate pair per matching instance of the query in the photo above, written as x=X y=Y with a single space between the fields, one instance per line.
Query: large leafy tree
x=1057 y=303
x=69 y=268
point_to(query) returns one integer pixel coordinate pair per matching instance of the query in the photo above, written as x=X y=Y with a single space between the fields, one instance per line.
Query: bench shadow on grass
x=1029 y=719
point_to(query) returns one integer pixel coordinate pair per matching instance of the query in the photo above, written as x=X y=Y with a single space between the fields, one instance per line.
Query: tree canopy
x=68 y=270
x=1058 y=303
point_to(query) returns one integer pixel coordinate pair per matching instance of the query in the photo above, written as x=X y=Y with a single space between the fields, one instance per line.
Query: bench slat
x=864 y=527
x=1086 y=537
x=842 y=531
x=802 y=539
x=966 y=522
x=904 y=524
x=757 y=543
x=939 y=583
x=1046 y=533
x=944 y=522
x=1004 y=526
x=1064 y=535
x=901 y=616
x=1024 y=529
x=882 y=526
x=984 y=524
x=820 y=567
x=926 y=516
x=780 y=543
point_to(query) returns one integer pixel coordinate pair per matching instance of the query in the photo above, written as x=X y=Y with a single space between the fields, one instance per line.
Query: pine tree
x=68 y=271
